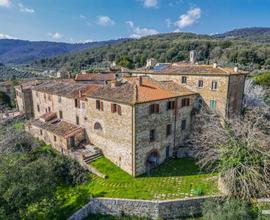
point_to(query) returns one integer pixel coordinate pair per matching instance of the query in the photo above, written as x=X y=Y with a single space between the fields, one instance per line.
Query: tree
x=227 y=210
x=237 y=148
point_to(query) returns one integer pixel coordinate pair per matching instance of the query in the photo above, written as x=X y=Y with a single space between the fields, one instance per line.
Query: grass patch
x=176 y=178
x=263 y=79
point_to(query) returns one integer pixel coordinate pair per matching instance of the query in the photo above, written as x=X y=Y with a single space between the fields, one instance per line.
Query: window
x=44 y=96
x=49 y=109
x=59 y=99
x=40 y=131
x=119 y=110
x=200 y=83
x=97 y=126
x=184 y=124
x=154 y=108
x=49 y=97
x=170 y=105
x=184 y=80
x=85 y=118
x=213 y=104
x=113 y=108
x=77 y=120
x=38 y=108
x=214 y=85
x=185 y=102
x=99 y=105
x=60 y=114
x=169 y=130
x=152 y=135
x=54 y=138
x=116 y=108
x=77 y=103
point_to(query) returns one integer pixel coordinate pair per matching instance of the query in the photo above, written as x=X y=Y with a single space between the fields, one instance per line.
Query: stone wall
x=114 y=137
x=24 y=101
x=169 y=209
x=236 y=94
x=60 y=143
x=144 y=122
x=219 y=95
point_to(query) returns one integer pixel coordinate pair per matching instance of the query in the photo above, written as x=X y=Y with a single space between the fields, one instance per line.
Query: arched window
x=97 y=126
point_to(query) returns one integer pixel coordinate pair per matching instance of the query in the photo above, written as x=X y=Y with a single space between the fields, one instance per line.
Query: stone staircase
x=91 y=153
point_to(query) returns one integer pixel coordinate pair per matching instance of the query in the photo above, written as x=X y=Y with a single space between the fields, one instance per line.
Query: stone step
x=92 y=158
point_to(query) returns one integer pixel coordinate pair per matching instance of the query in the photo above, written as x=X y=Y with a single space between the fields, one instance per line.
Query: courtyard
x=177 y=178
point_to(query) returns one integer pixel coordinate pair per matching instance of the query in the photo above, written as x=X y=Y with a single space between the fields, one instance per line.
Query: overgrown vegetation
x=236 y=148
x=171 y=47
x=229 y=210
x=35 y=181
x=262 y=79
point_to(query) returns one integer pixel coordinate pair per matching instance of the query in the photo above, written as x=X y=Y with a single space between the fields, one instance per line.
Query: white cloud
x=6 y=36
x=140 y=32
x=105 y=21
x=25 y=9
x=83 y=17
x=55 y=35
x=150 y=3
x=5 y=3
x=191 y=17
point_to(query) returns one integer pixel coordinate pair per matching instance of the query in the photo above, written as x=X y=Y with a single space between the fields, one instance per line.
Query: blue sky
x=95 y=20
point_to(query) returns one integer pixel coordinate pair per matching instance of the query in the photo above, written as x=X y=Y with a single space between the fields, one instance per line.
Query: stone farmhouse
x=136 y=121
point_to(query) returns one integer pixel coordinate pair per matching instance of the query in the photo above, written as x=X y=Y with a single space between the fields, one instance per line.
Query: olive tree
x=238 y=149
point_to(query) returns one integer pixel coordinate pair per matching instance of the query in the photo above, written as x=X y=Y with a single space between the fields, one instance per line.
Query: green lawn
x=176 y=178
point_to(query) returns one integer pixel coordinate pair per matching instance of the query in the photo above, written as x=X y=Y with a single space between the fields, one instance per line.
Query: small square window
x=170 y=105
x=54 y=138
x=40 y=131
x=154 y=108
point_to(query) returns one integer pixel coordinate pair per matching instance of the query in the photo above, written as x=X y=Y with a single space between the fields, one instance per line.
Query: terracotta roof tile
x=187 y=68
x=58 y=127
x=95 y=77
x=140 y=89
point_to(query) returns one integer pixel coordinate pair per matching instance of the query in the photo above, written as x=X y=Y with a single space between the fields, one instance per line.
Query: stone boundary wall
x=180 y=208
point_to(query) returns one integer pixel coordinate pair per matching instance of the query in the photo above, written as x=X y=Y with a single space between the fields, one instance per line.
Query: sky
x=77 y=21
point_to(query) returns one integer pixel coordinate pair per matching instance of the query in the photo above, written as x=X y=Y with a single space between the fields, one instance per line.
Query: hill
x=20 y=51
x=172 y=47
x=258 y=34
x=8 y=73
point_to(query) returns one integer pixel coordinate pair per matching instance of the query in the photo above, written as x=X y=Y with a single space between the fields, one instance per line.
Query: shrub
x=233 y=209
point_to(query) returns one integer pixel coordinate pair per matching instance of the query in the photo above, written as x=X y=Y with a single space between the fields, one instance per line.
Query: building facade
x=138 y=121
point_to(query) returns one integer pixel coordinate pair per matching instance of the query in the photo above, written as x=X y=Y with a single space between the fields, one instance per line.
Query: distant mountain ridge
x=258 y=34
x=21 y=51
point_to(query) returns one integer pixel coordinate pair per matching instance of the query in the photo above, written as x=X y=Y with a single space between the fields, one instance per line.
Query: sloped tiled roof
x=139 y=90
x=187 y=68
x=95 y=77
x=70 y=89
x=58 y=127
